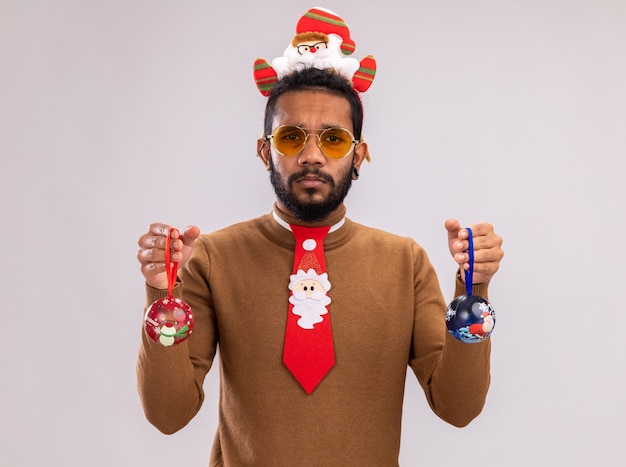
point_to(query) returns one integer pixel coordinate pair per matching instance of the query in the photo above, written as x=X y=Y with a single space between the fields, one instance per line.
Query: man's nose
x=311 y=153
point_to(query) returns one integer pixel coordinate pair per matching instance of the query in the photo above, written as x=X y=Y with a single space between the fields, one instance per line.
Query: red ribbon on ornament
x=171 y=267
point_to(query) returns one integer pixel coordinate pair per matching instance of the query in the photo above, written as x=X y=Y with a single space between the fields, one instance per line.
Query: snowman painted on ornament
x=169 y=321
x=322 y=40
x=167 y=334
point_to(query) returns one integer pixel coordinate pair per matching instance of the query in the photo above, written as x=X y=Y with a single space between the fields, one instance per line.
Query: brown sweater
x=387 y=312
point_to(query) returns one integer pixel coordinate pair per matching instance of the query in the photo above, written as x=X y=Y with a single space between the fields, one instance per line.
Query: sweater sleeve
x=170 y=379
x=454 y=375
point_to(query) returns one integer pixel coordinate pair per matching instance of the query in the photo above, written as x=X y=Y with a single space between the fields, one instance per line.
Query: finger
x=487 y=242
x=157 y=255
x=154 y=231
x=152 y=240
x=458 y=247
x=152 y=269
x=478 y=243
x=480 y=254
x=148 y=240
x=489 y=255
x=461 y=258
x=486 y=262
x=486 y=269
x=151 y=255
x=478 y=230
x=481 y=228
x=160 y=229
x=482 y=271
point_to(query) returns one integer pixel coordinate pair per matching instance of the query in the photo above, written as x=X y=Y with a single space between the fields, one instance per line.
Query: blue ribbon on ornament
x=469 y=275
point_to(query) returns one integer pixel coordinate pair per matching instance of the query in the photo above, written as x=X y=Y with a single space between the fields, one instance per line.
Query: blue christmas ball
x=470 y=318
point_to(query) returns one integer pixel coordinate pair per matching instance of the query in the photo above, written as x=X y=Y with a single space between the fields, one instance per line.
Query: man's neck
x=288 y=216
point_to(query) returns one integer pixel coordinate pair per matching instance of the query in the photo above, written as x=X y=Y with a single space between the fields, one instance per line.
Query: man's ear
x=263 y=151
x=361 y=153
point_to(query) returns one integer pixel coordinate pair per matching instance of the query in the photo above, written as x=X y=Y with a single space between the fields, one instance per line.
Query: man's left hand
x=487 y=249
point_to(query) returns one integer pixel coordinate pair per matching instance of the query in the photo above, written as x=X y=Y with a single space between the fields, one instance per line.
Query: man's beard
x=308 y=210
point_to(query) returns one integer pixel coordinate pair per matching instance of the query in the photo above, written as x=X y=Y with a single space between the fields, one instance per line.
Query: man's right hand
x=151 y=252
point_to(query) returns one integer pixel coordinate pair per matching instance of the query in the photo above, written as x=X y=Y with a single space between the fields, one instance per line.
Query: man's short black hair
x=313 y=78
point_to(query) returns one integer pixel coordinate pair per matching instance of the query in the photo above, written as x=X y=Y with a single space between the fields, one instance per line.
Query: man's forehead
x=322 y=105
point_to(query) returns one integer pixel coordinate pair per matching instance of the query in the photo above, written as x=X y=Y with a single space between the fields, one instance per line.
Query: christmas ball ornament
x=169 y=320
x=470 y=318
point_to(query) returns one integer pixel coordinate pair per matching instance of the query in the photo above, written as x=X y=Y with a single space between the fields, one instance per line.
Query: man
x=386 y=308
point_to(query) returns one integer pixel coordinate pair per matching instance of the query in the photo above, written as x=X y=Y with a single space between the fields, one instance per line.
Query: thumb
x=190 y=235
x=453 y=227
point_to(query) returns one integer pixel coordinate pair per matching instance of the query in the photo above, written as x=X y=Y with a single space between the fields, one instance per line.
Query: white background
x=119 y=113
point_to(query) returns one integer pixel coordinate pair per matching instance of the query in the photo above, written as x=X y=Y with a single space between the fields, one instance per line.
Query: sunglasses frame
x=308 y=132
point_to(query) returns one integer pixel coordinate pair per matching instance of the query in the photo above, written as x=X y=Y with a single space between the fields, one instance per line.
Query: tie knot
x=302 y=233
x=309 y=253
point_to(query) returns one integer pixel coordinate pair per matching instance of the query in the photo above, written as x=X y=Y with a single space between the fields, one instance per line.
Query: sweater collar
x=287 y=225
x=276 y=227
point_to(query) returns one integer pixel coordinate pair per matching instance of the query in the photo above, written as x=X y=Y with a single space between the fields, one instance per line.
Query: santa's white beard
x=310 y=310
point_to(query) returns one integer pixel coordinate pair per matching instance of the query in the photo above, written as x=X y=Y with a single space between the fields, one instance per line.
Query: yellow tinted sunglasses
x=335 y=143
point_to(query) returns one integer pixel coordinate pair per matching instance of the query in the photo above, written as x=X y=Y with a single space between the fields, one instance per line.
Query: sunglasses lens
x=336 y=142
x=289 y=140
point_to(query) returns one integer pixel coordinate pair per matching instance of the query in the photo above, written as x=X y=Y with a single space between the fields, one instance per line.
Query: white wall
x=120 y=113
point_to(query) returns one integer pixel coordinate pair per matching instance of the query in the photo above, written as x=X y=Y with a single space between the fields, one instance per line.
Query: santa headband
x=322 y=40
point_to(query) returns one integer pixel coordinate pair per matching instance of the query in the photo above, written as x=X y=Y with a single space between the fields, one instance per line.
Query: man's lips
x=309 y=178
x=310 y=182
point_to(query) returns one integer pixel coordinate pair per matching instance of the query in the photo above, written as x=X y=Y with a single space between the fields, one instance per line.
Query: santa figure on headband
x=322 y=40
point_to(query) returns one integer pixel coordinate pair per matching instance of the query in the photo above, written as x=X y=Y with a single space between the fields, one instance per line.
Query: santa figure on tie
x=308 y=297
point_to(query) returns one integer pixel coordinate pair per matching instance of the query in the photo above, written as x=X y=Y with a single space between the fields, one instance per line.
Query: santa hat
x=323 y=20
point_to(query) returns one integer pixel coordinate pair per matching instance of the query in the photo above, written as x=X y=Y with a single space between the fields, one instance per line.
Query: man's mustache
x=315 y=296
x=310 y=171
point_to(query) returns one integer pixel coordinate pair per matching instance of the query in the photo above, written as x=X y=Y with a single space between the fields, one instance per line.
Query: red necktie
x=309 y=351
